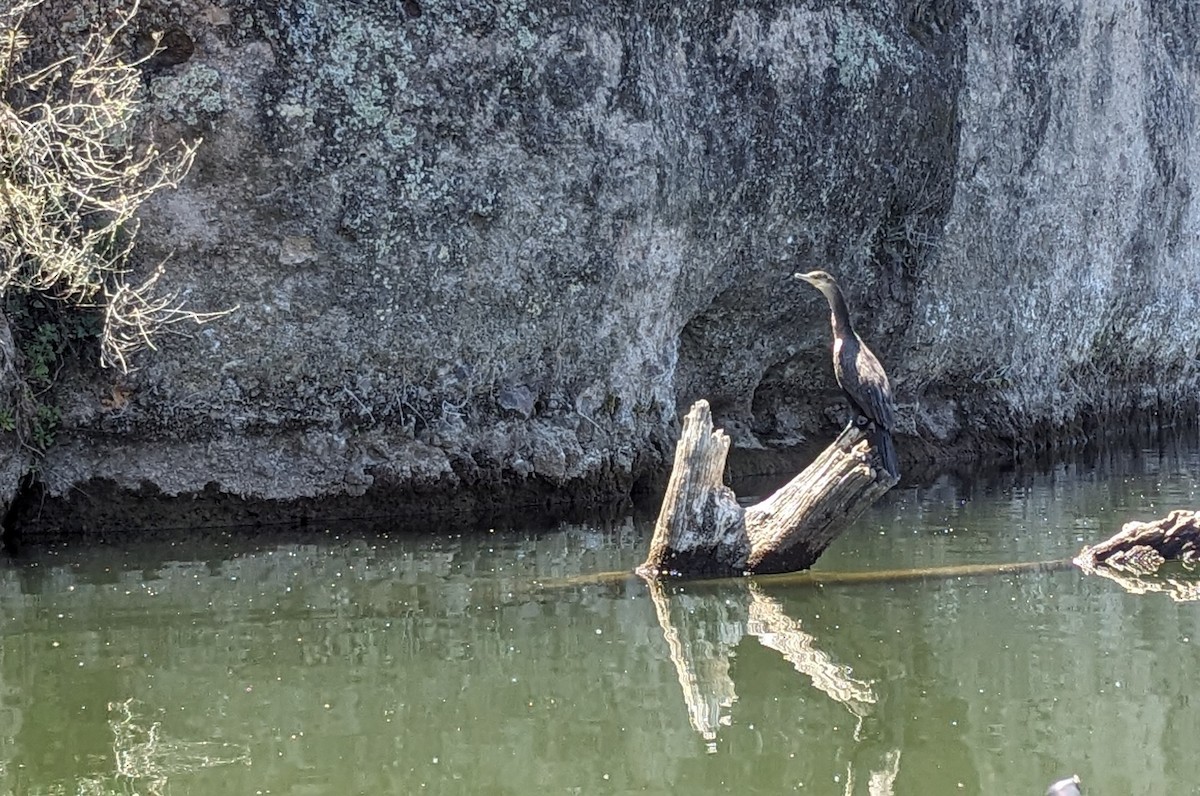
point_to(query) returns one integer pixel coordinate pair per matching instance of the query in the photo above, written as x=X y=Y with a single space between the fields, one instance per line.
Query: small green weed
x=45 y=425
x=47 y=333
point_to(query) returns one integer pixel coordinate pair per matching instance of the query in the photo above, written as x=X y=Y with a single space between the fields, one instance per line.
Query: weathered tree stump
x=1140 y=548
x=702 y=530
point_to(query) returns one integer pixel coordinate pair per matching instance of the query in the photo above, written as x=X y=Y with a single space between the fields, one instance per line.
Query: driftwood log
x=702 y=530
x=1132 y=558
x=1142 y=547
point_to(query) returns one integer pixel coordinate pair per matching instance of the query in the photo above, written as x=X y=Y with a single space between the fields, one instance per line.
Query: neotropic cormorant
x=857 y=370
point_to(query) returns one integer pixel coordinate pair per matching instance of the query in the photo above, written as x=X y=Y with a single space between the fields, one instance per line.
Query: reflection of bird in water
x=1065 y=787
x=858 y=371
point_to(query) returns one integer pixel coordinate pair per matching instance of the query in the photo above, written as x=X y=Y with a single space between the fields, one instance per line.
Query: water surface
x=356 y=661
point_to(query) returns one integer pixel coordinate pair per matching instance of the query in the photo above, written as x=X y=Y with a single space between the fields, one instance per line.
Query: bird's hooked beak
x=799 y=277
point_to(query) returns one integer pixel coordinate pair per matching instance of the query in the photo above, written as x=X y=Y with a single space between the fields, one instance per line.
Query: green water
x=355 y=662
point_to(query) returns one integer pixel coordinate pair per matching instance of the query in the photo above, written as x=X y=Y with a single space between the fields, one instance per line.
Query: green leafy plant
x=45 y=425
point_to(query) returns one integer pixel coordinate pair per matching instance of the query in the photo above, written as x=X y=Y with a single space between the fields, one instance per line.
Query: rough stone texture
x=488 y=245
x=1072 y=220
x=16 y=458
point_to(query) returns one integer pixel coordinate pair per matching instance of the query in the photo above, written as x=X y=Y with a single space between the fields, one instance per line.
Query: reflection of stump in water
x=142 y=754
x=776 y=630
x=701 y=633
x=702 y=630
x=882 y=781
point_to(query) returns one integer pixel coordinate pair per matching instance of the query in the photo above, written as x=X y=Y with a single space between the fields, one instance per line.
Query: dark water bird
x=1065 y=787
x=858 y=371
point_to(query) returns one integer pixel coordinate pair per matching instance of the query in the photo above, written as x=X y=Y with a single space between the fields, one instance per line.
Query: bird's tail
x=887 y=451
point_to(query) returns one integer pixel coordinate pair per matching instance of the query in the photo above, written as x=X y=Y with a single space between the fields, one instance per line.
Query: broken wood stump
x=703 y=531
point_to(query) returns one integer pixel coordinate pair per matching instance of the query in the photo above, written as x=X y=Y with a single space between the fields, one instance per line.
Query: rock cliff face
x=1064 y=282
x=478 y=246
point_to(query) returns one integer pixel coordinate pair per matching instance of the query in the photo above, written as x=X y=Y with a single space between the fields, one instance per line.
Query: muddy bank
x=104 y=511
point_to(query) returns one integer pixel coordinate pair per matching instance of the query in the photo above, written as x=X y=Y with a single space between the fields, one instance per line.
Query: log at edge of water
x=703 y=531
x=1141 y=547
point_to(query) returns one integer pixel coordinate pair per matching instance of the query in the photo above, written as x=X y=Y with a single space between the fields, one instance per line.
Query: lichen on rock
x=490 y=245
x=189 y=95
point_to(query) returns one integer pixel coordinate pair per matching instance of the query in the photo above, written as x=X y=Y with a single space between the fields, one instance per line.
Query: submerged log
x=823 y=578
x=1140 y=548
x=702 y=530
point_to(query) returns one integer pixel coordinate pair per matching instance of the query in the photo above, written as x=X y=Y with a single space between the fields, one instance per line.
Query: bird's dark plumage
x=858 y=371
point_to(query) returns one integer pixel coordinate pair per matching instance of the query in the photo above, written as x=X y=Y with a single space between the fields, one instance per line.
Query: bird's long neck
x=841 y=313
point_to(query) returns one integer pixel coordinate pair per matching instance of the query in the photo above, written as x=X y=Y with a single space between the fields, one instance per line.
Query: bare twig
x=72 y=178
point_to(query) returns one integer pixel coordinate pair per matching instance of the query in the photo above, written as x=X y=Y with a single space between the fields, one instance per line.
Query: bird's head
x=821 y=280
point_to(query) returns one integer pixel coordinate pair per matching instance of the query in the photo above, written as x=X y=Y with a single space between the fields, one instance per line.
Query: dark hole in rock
x=162 y=49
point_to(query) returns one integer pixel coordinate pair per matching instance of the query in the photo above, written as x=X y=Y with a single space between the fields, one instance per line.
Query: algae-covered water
x=357 y=661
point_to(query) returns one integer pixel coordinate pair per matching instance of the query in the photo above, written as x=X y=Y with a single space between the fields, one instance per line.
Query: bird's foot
x=862 y=421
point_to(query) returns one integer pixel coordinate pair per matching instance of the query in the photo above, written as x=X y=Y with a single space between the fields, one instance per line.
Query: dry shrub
x=73 y=174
